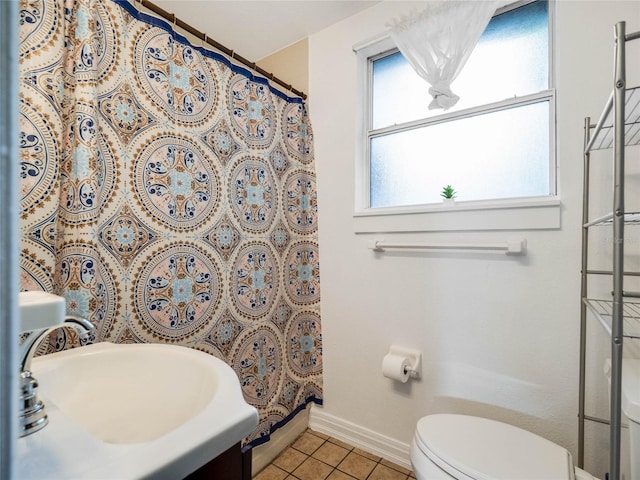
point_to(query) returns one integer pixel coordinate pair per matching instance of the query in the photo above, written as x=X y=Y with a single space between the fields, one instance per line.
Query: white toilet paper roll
x=396 y=367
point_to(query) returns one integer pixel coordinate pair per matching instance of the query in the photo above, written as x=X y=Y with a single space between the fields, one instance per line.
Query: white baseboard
x=361 y=437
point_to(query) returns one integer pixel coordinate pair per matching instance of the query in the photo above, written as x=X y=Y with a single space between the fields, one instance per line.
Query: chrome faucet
x=31 y=410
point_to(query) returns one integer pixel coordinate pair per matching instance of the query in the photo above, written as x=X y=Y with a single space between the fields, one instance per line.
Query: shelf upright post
x=9 y=242
x=618 y=253
x=583 y=292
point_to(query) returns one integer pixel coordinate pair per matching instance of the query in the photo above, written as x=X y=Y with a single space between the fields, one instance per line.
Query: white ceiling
x=258 y=28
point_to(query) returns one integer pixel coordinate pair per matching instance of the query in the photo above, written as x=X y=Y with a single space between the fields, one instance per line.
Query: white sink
x=133 y=411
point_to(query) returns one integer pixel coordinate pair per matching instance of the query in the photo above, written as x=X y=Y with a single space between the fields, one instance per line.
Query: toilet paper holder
x=413 y=358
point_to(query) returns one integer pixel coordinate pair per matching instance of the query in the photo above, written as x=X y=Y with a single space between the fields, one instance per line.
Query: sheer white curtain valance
x=437 y=41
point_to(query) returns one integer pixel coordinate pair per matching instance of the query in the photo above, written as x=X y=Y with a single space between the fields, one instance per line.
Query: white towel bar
x=511 y=247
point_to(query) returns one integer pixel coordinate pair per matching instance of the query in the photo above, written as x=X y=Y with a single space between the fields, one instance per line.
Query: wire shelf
x=603 y=134
x=630 y=218
x=602 y=309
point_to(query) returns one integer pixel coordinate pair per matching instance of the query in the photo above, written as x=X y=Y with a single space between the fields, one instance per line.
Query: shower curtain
x=169 y=196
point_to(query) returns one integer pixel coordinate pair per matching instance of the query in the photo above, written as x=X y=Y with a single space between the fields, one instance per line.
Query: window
x=495 y=145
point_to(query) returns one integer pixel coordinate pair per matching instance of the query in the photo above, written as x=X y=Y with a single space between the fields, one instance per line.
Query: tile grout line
x=376 y=460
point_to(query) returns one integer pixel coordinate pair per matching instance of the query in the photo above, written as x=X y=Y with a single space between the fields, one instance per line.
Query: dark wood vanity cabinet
x=233 y=464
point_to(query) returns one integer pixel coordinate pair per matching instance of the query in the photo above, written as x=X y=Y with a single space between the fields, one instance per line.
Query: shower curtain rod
x=171 y=17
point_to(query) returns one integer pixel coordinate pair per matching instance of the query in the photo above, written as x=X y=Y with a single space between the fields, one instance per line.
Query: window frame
x=539 y=212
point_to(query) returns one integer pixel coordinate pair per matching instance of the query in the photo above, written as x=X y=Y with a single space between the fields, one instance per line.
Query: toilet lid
x=631 y=389
x=483 y=449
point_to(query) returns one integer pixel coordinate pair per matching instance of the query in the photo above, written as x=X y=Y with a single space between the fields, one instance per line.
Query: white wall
x=499 y=335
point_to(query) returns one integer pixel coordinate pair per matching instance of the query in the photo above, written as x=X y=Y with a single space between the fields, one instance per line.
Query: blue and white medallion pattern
x=170 y=196
x=255 y=280
x=176 y=182
x=252 y=194
x=177 y=292
x=175 y=76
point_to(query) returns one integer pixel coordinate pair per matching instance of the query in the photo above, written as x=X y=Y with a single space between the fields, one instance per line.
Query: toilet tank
x=631 y=408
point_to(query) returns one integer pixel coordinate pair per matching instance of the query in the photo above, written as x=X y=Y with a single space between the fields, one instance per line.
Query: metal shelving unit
x=617 y=127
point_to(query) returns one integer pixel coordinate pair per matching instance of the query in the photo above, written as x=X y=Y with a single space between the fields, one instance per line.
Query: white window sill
x=514 y=214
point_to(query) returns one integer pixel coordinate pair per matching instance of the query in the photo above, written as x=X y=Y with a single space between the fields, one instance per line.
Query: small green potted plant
x=448 y=195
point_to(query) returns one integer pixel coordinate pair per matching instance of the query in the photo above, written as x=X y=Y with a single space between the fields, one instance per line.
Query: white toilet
x=461 y=447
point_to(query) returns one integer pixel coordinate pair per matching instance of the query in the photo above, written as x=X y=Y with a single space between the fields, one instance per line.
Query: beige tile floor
x=314 y=456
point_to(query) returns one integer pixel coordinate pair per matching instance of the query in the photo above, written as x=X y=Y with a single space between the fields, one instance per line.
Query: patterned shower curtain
x=170 y=196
